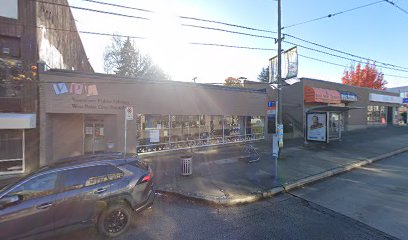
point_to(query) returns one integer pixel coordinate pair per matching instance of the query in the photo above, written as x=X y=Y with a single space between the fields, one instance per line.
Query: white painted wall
x=49 y=53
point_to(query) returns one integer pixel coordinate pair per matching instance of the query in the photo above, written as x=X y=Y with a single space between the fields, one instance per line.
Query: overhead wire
x=217 y=29
x=395 y=5
x=92 y=10
x=342 y=57
x=343 y=52
x=186 y=17
x=345 y=66
x=117 y=5
x=333 y=14
x=255 y=29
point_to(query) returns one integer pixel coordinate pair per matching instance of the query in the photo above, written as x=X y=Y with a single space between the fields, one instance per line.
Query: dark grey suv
x=100 y=189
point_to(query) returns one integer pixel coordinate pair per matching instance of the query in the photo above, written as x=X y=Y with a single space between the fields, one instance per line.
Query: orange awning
x=321 y=95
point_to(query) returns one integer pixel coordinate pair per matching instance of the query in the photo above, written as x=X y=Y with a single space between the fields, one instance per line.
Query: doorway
x=389 y=115
x=94 y=131
x=335 y=125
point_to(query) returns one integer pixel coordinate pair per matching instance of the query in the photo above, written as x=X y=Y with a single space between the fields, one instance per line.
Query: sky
x=377 y=32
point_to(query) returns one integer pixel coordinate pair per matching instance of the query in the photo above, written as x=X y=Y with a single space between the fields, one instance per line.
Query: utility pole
x=279 y=107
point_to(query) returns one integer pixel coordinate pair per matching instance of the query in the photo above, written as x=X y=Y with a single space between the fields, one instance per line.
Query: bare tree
x=124 y=59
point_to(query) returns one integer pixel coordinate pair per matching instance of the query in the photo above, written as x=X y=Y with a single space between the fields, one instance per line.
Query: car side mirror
x=9 y=200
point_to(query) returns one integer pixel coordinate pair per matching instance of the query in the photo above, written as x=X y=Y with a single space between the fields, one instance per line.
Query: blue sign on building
x=348 y=96
x=271 y=104
x=405 y=100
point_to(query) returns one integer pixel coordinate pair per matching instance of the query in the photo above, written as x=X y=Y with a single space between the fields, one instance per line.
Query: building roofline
x=341 y=84
x=109 y=78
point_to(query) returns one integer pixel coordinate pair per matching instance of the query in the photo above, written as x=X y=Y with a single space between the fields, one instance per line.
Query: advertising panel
x=373 y=97
x=316 y=127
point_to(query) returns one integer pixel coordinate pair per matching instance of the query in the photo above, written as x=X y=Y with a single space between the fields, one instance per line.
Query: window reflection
x=167 y=132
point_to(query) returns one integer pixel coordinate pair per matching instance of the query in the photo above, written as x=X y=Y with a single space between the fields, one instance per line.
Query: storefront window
x=256 y=129
x=376 y=114
x=234 y=128
x=154 y=133
x=11 y=151
x=166 y=132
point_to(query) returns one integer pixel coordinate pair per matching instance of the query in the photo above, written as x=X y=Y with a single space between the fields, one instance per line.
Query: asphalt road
x=283 y=217
x=376 y=195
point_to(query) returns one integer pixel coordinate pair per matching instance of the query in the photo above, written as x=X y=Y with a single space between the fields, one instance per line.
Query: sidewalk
x=220 y=176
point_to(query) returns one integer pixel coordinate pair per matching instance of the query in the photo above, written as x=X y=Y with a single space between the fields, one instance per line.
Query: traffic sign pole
x=128 y=117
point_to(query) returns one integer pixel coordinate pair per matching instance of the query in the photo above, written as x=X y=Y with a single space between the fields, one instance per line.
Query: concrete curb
x=234 y=201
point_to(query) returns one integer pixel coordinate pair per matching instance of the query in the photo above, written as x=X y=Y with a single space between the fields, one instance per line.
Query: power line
x=91 y=10
x=245 y=27
x=228 y=31
x=319 y=60
x=334 y=55
x=185 y=17
x=333 y=14
x=77 y=31
x=395 y=5
x=340 y=65
x=231 y=46
x=343 y=52
x=217 y=29
x=227 y=24
x=120 y=6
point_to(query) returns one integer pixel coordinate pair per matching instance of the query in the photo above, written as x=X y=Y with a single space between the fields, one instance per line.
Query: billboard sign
x=316 y=124
x=291 y=61
x=289 y=65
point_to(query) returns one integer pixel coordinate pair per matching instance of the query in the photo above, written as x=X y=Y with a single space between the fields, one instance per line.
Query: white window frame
x=17 y=159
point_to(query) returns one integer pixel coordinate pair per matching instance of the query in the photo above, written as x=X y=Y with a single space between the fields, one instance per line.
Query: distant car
x=99 y=189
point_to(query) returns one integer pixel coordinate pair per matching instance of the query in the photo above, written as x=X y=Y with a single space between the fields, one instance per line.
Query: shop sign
x=316 y=127
x=405 y=100
x=348 y=96
x=373 y=97
x=321 y=95
x=75 y=89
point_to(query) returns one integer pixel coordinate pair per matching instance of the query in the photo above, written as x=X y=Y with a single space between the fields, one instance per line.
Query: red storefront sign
x=321 y=95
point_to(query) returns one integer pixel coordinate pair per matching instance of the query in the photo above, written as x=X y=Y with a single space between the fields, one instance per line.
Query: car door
x=82 y=193
x=33 y=214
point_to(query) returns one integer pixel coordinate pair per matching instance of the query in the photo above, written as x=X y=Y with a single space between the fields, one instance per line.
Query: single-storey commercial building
x=85 y=113
x=348 y=107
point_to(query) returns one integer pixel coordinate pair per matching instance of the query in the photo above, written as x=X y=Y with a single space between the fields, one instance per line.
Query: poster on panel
x=316 y=127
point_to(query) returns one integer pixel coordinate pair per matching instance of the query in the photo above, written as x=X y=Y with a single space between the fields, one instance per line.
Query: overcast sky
x=377 y=32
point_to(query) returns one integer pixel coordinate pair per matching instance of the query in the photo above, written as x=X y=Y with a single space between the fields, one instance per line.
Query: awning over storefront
x=332 y=108
x=17 y=121
x=321 y=95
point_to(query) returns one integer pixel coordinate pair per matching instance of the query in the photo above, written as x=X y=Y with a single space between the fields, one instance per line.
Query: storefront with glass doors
x=86 y=115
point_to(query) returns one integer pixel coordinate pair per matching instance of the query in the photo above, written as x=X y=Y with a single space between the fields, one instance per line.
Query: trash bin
x=186 y=165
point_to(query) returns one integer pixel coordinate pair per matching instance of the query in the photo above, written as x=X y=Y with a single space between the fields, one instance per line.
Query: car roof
x=114 y=158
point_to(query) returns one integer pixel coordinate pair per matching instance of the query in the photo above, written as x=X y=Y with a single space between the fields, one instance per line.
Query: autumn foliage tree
x=233 y=82
x=368 y=76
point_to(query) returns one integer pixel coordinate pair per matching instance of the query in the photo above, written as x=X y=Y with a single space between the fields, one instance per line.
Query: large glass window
x=376 y=114
x=154 y=133
x=255 y=127
x=11 y=150
x=234 y=128
x=159 y=132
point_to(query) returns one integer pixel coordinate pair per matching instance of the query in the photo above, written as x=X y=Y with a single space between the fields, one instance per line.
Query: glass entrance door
x=94 y=141
x=335 y=122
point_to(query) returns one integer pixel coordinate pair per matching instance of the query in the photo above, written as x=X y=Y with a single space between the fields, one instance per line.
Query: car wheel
x=115 y=220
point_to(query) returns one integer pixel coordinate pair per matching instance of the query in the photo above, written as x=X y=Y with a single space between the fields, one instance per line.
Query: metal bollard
x=186 y=165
